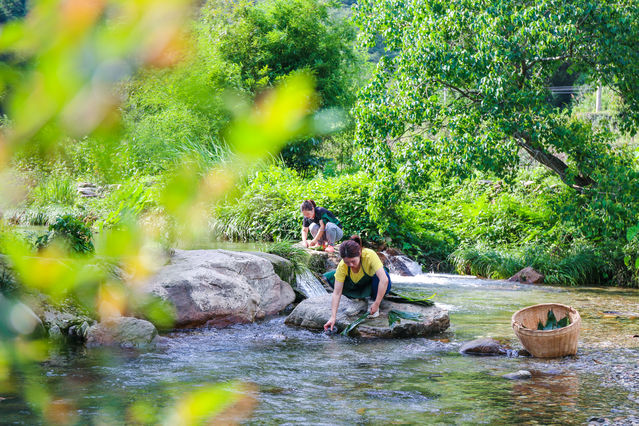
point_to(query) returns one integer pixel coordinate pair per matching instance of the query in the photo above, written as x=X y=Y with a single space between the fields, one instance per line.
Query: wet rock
x=220 y=287
x=485 y=347
x=519 y=375
x=282 y=267
x=55 y=333
x=598 y=421
x=527 y=276
x=65 y=317
x=524 y=352
x=121 y=331
x=314 y=312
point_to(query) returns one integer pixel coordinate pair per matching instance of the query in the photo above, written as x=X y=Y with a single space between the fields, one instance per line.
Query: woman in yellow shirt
x=360 y=274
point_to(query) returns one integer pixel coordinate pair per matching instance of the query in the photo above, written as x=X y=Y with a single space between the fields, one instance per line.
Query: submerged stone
x=519 y=375
x=121 y=331
x=485 y=347
x=313 y=313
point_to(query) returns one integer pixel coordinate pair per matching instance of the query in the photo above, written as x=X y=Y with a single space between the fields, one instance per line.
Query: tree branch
x=553 y=163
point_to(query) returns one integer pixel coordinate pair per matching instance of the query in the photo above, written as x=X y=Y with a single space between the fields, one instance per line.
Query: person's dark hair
x=351 y=247
x=308 y=205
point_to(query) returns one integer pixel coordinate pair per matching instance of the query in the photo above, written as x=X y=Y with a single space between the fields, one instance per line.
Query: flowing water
x=308 y=285
x=305 y=377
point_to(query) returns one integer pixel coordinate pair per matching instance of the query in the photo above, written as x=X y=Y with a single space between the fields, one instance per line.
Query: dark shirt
x=323 y=214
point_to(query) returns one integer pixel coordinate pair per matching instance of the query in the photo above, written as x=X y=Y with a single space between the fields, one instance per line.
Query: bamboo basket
x=547 y=343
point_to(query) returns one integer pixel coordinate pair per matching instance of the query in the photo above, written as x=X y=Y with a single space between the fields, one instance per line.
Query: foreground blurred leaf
x=226 y=404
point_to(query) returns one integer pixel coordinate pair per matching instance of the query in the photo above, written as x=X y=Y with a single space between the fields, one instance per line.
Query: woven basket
x=547 y=343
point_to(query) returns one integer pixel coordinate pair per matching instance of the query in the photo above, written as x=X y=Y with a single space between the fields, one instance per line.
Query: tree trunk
x=577 y=182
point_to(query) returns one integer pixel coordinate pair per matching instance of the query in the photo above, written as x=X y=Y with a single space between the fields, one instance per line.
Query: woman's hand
x=305 y=243
x=329 y=324
x=374 y=308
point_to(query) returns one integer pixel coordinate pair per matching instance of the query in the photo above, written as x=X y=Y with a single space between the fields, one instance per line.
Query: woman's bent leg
x=314 y=228
x=333 y=233
x=375 y=285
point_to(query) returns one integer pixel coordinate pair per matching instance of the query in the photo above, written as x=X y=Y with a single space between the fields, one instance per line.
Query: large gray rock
x=220 y=287
x=121 y=331
x=282 y=267
x=313 y=314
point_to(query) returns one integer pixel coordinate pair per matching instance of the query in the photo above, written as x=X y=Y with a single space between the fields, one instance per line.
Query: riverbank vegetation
x=461 y=157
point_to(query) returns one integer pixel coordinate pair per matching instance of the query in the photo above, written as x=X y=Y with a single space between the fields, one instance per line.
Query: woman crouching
x=360 y=274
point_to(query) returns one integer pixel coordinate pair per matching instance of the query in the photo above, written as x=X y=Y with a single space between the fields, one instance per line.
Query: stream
x=305 y=377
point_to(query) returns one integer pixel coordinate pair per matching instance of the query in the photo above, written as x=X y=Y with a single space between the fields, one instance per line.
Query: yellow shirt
x=370 y=263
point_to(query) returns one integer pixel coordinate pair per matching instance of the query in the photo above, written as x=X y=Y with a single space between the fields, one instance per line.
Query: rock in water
x=314 y=312
x=220 y=287
x=121 y=331
x=483 y=347
x=519 y=375
x=527 y=276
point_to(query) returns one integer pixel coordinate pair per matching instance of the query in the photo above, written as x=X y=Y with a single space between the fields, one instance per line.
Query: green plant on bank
x=581 y=265
x=55 y=190
x=72 y=231
x=296 y=255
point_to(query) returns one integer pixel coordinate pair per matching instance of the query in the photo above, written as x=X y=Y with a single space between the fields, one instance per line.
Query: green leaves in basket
x=552 y=323
x=396 y=316
x=352 y=326
x=565 y=321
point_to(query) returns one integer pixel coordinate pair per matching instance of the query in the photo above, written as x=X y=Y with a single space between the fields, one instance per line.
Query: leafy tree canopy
x=274 y=38
x=467 y=84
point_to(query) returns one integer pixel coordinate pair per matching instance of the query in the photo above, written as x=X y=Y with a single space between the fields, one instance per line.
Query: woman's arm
x=381 y=289
x=304 y=236
x=337 y=294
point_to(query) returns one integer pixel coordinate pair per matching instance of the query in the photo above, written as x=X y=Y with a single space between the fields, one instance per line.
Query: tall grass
x=55 y=190
x=580 y=265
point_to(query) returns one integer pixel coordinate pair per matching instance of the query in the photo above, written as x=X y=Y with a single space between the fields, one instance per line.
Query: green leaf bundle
x=396 y=316
x=352 y=326
x=552 y=323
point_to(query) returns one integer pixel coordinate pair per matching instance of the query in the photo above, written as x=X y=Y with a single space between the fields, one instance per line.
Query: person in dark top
x=325 y=228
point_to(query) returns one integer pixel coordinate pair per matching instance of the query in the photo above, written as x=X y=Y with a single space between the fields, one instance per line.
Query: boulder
x=220 y=287
x=314 y=312
x=483 y=347
x=527 y=276
x=121 y=331
x=282 y=267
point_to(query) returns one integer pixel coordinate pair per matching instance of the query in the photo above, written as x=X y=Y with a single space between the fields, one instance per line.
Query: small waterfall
x=401 y=264
x=308 y=285
x=413 y=267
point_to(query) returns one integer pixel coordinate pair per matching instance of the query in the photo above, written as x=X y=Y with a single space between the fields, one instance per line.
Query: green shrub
x=72 y=231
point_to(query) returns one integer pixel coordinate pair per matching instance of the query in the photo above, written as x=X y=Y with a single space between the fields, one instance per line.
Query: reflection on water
x=307 y=377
